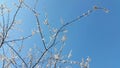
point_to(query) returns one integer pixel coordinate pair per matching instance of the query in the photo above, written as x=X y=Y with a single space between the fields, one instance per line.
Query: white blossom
x=106 y=10
x=30 y=49
x=53 y=36
x=36 y=14
x=38 y=66
x=33 y=32
x=2 y=6
x=65 y=31
x=70 y=54
x=55 y=30
x=21 y=37
x=21 y=1
x=8 y=10
x=82 y=63
x=63 y=61
x=63 y=38
x=89 y=11
x=46 y=22
x=56 y=56
x=88 y=59
x=18 y=22
x=23 y=65
x=2 y=57
x=13 y=60
x=71 y=62
x=43 y=39
x=85 y=14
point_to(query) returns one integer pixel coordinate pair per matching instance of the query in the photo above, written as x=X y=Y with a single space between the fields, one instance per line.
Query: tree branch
x=38 y=24
x=18 y=55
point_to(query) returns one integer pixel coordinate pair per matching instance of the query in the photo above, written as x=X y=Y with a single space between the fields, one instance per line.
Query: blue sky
x=97 y=35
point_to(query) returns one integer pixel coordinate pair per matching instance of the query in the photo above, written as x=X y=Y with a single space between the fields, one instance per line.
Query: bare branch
x=38 y=24
x=20 y=39
x=14 y=17
x=18 y=55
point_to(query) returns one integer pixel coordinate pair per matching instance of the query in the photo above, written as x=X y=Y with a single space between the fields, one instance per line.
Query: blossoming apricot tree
x=13 y=49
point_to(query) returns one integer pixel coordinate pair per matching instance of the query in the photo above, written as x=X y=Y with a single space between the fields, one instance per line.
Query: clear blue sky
x=97 y=35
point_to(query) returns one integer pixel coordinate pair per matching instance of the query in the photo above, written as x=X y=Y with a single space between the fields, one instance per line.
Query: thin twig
x=18 y=55
x=14 y=17
x=38 y=24
x=3 y=59
x=20 y=39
